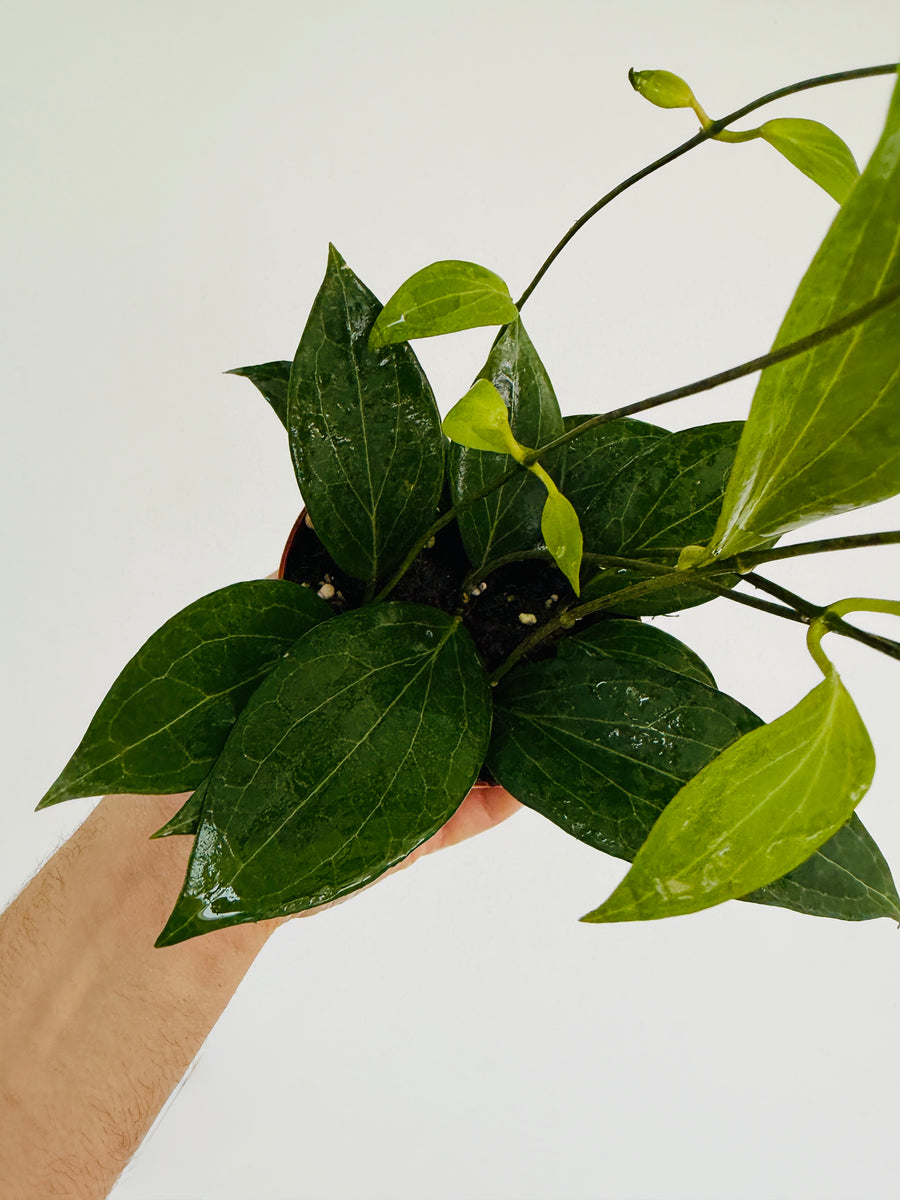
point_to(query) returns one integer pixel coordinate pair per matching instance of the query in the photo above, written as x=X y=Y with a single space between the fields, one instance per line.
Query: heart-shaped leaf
x=815 y=150
x=358 y=747
x=165 y=719
x=823 y=435
x=444 y=298
x=364 y=432
x=754 y=813
x=271 y=379
x=509 y=519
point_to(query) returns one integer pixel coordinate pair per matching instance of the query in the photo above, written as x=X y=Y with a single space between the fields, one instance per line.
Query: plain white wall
x=173 y=174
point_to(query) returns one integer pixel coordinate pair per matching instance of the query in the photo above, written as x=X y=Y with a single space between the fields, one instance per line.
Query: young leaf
x=754 y=813
x=662 y=88
x=642 y=492
x=823 y=434
x=357 y=748
x=271 y=379
x=480 y=421
x=561 y=530
x=444 y=298
x=364 y=432
x=509 y=519
x=165 y=719
x=815 y=150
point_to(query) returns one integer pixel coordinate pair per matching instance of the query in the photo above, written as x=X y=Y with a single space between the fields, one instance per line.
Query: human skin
x=96 y=1025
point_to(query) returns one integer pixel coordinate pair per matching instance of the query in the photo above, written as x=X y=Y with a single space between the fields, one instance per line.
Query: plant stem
x=703 y=135
x=854 y=541
x=814 y=611
x=791 y=350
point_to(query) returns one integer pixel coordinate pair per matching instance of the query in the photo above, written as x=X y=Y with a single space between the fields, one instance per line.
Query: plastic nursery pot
x=304 y=561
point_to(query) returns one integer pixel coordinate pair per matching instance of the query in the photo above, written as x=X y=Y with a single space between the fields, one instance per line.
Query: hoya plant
x=465 y=600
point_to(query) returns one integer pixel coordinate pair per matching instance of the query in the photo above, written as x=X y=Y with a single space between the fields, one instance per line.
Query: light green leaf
x=756 y=812
x=662 y=88
x=444 y=298
x=823 y=434
x=507 y=521
x=815 y=150
x=271 y=379
x=358 y=747
x=165 y=719
x=561 y=530
x=480 y=421
x=364 y=432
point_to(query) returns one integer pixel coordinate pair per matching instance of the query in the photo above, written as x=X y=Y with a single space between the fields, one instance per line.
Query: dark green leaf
x=641 y=492
x=187 y=819
x=602 y=738
x=823 y=435
x=358 y=747
x=601 y=745
x=815 y=150
x=755 y=812
x=364 y=431
x=272 y=381
x=444 y=298
x=509 y=520
x=165 y=719
x=848 y=878
x=643 y=646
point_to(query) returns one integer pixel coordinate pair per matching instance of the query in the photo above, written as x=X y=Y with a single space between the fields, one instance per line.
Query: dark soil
x=499 y=612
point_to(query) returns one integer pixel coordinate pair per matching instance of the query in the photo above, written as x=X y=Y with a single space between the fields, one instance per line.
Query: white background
x=173 y=174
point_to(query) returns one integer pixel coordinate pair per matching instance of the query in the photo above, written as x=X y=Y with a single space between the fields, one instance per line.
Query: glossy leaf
x=599 y=746
x=165 y=719
x=754 y=813
x=508 y=520
x=444 y=298
x=271 y=379
x=815 y=150
x=187 y=819
x=823 y=435
x=358 y=747
x=641 y=492
x=364 y=432
x=561 y=530
x=479 y=421
x=662 y=88
x=642 y=646
x=847 y=878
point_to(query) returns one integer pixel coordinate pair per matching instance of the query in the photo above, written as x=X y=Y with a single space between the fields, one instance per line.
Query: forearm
x=96 y=1026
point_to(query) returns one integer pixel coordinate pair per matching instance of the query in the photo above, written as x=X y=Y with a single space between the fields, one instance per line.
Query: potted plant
x=465 y=599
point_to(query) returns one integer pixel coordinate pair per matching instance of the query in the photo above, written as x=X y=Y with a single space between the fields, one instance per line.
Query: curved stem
x=714 y=128
x=832 y=618
x=791 y=350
